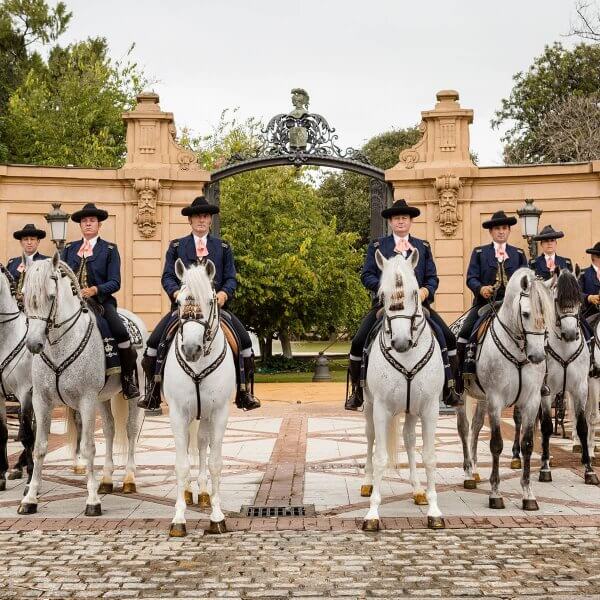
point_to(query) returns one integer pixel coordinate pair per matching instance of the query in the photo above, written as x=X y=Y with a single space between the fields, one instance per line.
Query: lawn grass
x=294 y=377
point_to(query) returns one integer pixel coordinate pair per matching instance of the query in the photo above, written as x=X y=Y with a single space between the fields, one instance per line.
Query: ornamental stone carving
x=447 y=188
x=147 y=192
x=416 y=153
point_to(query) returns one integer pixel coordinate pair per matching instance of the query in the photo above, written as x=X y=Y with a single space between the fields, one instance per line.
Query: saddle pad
x=231 y=338
x=482 y=329
x=135 y=335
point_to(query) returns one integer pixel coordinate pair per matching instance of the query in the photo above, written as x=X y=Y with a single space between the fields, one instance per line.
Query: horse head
x=399 y=292
x=198 y=309
x=567 y=297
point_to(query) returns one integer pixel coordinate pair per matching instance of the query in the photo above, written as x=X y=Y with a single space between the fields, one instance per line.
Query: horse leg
x=546 y=427
x=366 y=489
x=26 y=434
x=410 y=443
x=382 y=419
x=215 y=464
x=43 y=414
x=134 y=425
x=476 y=425
x=79 y=466
x=573 y=412
x=529 y=501
x=181 y=431
x=515 y=463
x=496 y=445
x=108 y=427
x=88 y=451
x=3 y=444
x=203 y=436
x=462 y=424
x=591 y=412
x=435 y=520
x=582 y=431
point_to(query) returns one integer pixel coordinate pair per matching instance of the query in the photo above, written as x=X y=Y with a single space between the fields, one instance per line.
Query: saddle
x=484 y=326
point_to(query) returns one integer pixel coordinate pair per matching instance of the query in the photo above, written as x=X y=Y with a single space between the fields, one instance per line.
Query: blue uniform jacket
x=484 y=265
x=425 y=270
x=541 y=270
x=13 y=264
x=590 y=285
x=219 y=252
x=103 y=267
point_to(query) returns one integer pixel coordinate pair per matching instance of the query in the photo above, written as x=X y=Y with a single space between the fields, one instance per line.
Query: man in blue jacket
x=195 y=247
x=29 y=237
x=97 y=265
x=490 y=268
x=400 y=217
x=545 y=263
x=589 y=281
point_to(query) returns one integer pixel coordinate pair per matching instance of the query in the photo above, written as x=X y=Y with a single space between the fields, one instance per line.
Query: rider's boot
x=456 y=363
x=469 y=365
x=355 y=400
x=129 y=383
x=245 y=398
x=450 y=396
x=151 y=400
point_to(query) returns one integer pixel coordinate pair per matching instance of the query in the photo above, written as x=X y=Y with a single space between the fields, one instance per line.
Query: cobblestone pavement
x=510 y=563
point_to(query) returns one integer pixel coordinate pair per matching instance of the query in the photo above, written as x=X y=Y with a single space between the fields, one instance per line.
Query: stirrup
x=355 y=402
x=246 y=401
x=452 y=398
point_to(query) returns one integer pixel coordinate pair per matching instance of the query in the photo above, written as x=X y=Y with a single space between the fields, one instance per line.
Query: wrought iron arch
x=300 y=138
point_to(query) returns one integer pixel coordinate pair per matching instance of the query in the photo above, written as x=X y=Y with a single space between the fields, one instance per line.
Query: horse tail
x=119 y=407
x=71 y=431
x=193 y=443
x=392 y=441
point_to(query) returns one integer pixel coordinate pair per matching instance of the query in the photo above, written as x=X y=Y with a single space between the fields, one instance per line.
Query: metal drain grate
x=306 y=510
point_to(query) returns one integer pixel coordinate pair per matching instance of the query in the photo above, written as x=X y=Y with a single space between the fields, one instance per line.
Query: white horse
x=69 y=370
x=510 y=372
x=15 y=372
x=199 y=382
x=405 y=374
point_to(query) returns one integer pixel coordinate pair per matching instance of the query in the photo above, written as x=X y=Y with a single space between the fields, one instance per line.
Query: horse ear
x=413 y=259
x=179 y=269
x=210 y=269
x=55 y=259
x=556 y=271
x=524 y=283
x=380 y=259
x=577 y=270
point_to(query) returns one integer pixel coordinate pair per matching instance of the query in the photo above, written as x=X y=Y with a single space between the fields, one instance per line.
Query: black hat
x=595 y=250
x=400 y=208
x=548 y=233
x=29 y=230
x=89 y=210
x=199 y=207
x=499 y=218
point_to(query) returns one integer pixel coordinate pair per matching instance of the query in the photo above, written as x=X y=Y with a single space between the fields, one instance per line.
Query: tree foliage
x=553 y=77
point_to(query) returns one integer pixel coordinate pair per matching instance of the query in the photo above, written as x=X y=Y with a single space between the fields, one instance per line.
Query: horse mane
x=12 y=284
x=36 y=280
x=542 y=305
x=397 y=281
x=567 y=291
x=198 y=286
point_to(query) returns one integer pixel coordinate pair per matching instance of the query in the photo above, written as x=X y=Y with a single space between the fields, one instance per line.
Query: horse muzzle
x=192 y=352
x=536 y=358
x=401 y=345
x=34 y=347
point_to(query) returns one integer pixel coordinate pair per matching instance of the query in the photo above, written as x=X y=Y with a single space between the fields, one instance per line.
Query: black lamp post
x=58 y=219
x=529 y=216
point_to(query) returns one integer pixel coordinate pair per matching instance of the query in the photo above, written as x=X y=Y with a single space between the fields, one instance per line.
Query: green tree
x=554 y=76
x=68 y=111
x=346 y=195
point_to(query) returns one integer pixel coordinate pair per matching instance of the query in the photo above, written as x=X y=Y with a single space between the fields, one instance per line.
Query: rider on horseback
x=191 y=249
x=97 y=265
x=490 y=268
x=400 y=216
x=30 y=237
x=545 y=263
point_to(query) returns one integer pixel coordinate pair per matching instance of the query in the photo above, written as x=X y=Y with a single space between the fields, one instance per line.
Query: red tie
x=201 y=248
x=86 y=250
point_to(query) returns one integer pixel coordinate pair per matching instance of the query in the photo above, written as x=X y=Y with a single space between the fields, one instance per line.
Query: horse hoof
x=576 y=449
x=366 y=491
x=370 y=525
x=530 y=504
x=16 y=474
x=204 y=500
x=436 y=523
x=420 y=499
x=497 y=503
x=476 y=477
x=217 y=527
x=27 y=509
x=188 y=496
x=129 y=487
x=26 y=490
x=546 y=476
x=591 y=478
x=177 y=530
x=93 y=510
x=79 y=470
x=105 y=488
x=515 y=463
x=3 y=484
x=470 y=484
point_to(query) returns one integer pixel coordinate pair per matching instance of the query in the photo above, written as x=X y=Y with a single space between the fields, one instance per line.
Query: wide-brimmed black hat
x=595 y=250
x=89 y=210
x=199 y=207
x=400 y=207
x=548 y=233
x=499 y=218
x=30 y=230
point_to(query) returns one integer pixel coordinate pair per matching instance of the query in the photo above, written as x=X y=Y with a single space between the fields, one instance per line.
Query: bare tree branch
x=587 y=25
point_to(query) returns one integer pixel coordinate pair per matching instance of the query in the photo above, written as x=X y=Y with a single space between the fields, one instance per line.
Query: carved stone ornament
x=447 y=188
x=413 y=155
x=147 y=192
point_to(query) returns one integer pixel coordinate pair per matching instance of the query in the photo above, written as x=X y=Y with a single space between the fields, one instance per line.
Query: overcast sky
x=368 y=65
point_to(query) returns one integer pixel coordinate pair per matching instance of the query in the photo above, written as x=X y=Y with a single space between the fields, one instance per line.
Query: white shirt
x=200 y=239
x=397 y=238
x=597 y=269
x=92 y=241
x=29 y=259
x=498 y=247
